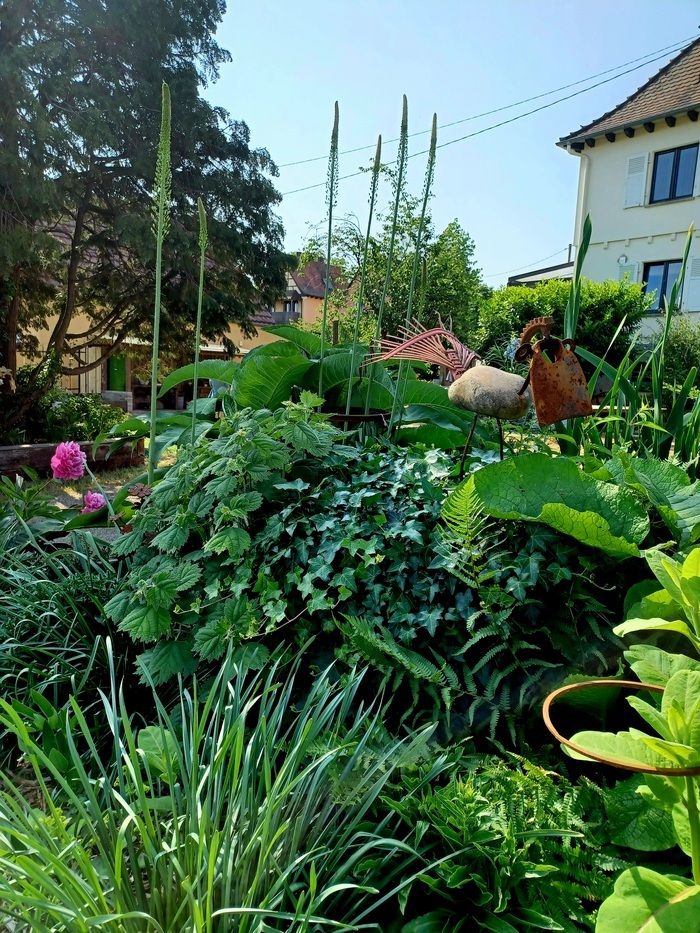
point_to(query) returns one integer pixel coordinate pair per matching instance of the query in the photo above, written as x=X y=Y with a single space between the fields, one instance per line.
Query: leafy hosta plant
x=556 y=492
x=673 y=608
x=668 y=751
x=663 y=808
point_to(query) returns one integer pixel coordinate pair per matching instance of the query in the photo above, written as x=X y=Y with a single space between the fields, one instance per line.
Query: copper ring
x=613 y=762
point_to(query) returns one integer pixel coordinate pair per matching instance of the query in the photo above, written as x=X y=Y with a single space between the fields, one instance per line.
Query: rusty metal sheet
x=558 y=385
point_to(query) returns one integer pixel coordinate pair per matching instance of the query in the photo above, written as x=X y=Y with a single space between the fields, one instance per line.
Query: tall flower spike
x=401 y=158
x=161 y=211
x=331 y=195
x=203 y=242
x=397 y=404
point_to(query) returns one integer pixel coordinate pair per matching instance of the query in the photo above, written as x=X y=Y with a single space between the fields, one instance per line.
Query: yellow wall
x=85 y=383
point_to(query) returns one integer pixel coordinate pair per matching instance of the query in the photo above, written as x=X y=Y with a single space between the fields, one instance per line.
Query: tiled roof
x=263 y=317
x=674 y=88
x=310 y=279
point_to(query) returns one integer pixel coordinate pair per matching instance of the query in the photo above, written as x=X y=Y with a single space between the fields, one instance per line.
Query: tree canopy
x=80 y=84
x=450 y=286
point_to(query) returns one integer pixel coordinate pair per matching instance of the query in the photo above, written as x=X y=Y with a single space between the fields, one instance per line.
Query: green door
x=116 y=373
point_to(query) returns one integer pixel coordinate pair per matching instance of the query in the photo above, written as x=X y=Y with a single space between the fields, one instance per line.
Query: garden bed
x=14 y=458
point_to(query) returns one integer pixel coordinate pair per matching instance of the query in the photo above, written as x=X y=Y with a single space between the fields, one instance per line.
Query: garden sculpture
x=558 y=385
x=555 y=378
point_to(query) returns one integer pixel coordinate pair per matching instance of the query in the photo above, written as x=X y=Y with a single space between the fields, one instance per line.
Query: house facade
x=639 y=180
x=115 y=378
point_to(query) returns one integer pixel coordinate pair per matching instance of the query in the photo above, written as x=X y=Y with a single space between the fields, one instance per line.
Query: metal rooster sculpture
x=555 y=378
x=482 y=389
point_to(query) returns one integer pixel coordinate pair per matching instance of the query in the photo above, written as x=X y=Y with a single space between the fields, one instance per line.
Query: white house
x=639 y=180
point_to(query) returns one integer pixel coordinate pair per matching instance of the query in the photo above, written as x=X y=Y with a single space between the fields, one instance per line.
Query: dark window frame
x=676 y=150
x=664 y=280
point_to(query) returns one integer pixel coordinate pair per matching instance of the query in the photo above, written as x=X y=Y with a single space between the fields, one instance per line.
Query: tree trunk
x=58 y=337
x=11 y=322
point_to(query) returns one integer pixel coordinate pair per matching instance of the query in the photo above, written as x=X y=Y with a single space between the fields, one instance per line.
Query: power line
x=494 y=126
x=676 y=46
x=528 y=265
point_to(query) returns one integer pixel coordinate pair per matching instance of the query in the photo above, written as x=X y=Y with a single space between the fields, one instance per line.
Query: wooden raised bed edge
x=38 y=456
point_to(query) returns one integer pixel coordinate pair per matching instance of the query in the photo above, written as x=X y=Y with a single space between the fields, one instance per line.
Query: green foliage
x=191 y=537
x=603 y=308
x=477 y=631
x=682 y=350
x=51 y=619
x=449 y=285
x=75 y=149
x=198 y=822
x=645 y=900
x=665 y=487
x=675 y=607
x=510 y=847
x=63 y=416
x=553 y=490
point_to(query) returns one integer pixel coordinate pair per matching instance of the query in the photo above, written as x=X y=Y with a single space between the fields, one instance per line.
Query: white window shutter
x=629 y=270
x=691 y=286
x=636 y=179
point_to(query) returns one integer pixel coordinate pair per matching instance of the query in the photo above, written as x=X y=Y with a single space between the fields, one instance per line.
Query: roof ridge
x=576 y=134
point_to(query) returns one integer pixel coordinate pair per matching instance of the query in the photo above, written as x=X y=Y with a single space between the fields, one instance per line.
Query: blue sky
x=511 y=188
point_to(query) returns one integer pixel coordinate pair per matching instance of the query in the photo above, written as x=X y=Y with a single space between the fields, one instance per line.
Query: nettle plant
x=183 y=589
x=666 y=752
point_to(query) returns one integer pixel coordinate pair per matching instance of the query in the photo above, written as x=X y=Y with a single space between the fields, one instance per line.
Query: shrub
x=250 y=534
x=603 y=307
x=75 y=417
x=682 y=351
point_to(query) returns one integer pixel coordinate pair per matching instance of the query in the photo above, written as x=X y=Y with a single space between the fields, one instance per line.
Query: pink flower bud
x=93 y=502
x=69 y=461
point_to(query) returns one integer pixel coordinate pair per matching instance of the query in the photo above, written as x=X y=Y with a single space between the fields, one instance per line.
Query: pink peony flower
x=93 y=502
x=69 y=461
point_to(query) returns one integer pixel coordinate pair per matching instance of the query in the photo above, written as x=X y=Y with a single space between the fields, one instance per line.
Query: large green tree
x=79 y=116
x=449 y=286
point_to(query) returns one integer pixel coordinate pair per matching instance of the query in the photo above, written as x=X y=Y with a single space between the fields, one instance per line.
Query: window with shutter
x=691 y=290
x=628 y=270
x=635 y=183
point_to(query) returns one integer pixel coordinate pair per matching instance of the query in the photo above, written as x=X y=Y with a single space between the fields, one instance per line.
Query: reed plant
x=397 y=406
x=376 y=167
x=249 y=807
